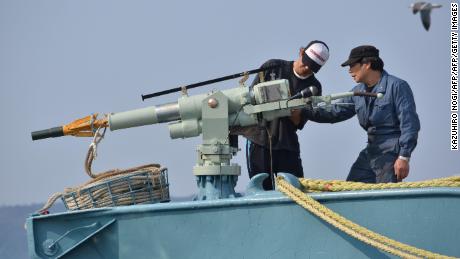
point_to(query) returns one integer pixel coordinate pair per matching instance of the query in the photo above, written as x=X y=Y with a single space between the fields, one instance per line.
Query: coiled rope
x=146 y=181
x=315 y=185
x=365 y=235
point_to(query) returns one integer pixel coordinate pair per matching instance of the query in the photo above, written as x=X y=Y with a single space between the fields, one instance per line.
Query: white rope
x=92 y=151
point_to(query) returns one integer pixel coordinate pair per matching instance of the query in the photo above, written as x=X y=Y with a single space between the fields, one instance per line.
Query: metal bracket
x=255 y=185
x=183 y=91
x=51 y=247
x=244 y=78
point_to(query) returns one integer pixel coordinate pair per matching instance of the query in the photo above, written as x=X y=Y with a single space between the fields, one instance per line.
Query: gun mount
x=212 y=115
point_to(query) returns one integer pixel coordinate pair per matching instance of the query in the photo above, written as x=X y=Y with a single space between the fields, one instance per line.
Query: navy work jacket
x=393 y=116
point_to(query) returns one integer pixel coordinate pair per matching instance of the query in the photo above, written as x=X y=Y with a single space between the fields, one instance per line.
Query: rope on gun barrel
x=137 y=182
x=92 y=151
x=90 y=156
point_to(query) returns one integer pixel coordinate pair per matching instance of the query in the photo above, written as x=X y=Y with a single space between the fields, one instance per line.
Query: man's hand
x=401 y=169
x=295 y=117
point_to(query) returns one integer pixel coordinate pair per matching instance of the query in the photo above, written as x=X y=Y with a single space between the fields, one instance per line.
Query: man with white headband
x=275 y=147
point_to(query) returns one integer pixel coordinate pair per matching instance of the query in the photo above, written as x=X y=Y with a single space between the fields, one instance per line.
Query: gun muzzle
x=48 y=133
x=84 y=127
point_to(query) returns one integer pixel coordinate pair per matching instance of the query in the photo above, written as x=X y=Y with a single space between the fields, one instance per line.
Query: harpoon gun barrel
x=144 y=116
x=244 y=107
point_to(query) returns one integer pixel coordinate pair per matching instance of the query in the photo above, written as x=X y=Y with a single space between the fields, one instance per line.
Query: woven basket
x=147 y=185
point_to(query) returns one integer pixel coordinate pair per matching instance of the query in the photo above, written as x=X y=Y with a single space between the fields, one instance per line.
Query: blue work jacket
x=393 y=116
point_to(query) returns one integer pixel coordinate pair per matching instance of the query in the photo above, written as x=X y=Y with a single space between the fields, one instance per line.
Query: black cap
x=361 y=52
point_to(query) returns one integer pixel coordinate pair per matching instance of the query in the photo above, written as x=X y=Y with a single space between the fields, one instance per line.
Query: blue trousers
x=375 y=163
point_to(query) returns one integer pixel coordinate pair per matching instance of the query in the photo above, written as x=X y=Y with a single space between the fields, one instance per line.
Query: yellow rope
x=314 y=185
x=369 y=237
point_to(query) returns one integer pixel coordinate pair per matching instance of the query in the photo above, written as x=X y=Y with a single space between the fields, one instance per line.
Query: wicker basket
x=148 y=185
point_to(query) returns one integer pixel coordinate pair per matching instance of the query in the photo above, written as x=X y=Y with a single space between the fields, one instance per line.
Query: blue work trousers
x=375 y=163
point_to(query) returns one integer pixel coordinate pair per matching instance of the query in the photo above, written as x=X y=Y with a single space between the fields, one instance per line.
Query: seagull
x=425 y=10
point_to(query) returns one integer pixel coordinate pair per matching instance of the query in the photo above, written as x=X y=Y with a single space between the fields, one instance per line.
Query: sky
x=61 y=60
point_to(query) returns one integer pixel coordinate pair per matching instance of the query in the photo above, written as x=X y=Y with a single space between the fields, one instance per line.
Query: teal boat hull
x=262 y=225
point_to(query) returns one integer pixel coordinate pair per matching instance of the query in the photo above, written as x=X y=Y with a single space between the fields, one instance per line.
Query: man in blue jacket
x=391 y=122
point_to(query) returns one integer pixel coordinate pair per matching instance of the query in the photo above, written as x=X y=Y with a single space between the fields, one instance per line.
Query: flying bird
x=425 y=10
